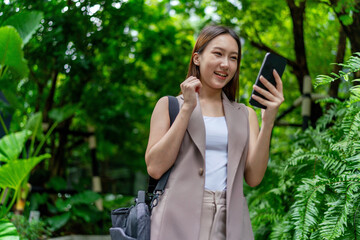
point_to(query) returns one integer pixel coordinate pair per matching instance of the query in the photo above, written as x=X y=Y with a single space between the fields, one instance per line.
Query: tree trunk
x=58 y=162
x=297 y=15
x=50 y=99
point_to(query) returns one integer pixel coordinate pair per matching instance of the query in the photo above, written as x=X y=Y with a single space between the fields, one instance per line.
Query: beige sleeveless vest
x=177 y=215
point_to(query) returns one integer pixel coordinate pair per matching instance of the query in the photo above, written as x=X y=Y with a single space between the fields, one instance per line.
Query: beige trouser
x=213 y=216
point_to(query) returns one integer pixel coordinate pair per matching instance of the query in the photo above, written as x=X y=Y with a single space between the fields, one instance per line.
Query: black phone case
x=271 y=61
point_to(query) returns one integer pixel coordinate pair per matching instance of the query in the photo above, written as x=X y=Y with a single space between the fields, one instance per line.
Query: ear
x=196 y=59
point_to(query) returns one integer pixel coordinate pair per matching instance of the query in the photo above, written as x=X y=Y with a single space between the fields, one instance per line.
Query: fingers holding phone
x=273 y=96
x=268 y=85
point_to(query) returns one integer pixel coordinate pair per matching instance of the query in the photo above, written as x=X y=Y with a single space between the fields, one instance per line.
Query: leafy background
x=97 y=68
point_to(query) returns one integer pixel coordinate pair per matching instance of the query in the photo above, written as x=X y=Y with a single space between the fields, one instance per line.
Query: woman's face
x=218 y=61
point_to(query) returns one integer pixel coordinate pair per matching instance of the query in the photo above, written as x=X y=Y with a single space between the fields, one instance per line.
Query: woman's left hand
x=274 y=97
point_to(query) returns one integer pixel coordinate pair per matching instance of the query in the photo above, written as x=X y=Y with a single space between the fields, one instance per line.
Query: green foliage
x=107 y=68
x=26 y=23
x=14 y=171
x=351 y=66
x=8 y=230
x=34 y=230
x=315 y=192
x=78 y=207
x=11 y=54
x=77 y=211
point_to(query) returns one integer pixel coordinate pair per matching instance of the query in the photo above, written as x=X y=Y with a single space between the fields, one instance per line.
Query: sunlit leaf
x=12 y=144
x=11 y=54
x=25 y=23
x=14 y=172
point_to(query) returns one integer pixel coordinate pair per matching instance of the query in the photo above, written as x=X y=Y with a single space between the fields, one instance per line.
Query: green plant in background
x=33 y=230
x=65 y=212
x=15 y=169
x=316 y=194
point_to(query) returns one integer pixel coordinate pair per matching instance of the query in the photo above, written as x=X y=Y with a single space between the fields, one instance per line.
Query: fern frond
x=350 y=122
x=355 y=126
x=315 y=235
x=353 y=162
x=329 y=100
x=282 y=230
x=356 y=220
x=336 y=217
x=356 y=146
x=331 y=160
x=305 y=210
x=353 y=64
x=266 y=215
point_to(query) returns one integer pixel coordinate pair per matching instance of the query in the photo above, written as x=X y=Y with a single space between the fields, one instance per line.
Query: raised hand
x=189 y=88
x=274 y=97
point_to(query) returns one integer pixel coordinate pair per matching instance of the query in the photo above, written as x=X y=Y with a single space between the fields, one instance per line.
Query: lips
x=221 y=74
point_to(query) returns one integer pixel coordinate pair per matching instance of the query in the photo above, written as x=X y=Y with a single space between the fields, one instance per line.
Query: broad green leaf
x=34 y=124
x=25 y=23
x=8 y=230
x=11 y=54
x=12 y=144
x=57 y=222
x=14 y=172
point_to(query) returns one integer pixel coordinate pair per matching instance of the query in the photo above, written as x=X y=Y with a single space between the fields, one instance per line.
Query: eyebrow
x=222 y=49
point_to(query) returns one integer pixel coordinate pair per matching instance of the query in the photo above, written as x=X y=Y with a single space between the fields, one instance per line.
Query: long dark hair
x=206 y=35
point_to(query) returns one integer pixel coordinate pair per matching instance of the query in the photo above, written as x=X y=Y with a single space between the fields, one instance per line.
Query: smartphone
x=271 y=61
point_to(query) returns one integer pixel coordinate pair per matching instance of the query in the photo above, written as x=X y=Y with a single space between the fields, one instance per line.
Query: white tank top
x=216 y=153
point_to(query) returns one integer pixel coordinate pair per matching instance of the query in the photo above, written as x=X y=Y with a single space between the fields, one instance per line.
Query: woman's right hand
x=189 y=88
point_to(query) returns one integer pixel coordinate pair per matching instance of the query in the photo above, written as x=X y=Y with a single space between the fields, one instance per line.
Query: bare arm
x=259 y=141
x=165 y=141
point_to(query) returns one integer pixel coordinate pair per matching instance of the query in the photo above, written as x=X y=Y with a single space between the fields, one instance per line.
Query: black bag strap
x=156 y=186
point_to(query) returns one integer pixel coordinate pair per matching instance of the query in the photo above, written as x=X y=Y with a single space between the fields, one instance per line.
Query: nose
x=224 y=63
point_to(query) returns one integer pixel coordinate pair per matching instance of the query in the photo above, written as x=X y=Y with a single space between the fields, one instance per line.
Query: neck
x=210 y=95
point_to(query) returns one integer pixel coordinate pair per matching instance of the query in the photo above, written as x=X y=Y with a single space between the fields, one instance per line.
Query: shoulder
x=161 y=105
x=251 y=112
x=253 y=119
x=242 y=107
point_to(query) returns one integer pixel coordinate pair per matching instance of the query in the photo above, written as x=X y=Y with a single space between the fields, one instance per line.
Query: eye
x=234 y=57
x=217 y=53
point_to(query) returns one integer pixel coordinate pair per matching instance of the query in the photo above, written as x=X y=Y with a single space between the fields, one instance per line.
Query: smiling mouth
x=221 y=74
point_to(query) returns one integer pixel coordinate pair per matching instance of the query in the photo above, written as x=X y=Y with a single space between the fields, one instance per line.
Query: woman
x=213 y=144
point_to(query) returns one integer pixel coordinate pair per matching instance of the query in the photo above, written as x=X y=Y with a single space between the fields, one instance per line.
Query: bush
x=315 y=193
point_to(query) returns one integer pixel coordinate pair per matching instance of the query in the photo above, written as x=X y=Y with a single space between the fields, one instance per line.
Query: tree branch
x=262 y=46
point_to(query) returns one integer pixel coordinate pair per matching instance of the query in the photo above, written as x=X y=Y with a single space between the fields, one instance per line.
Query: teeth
x=223 y=75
